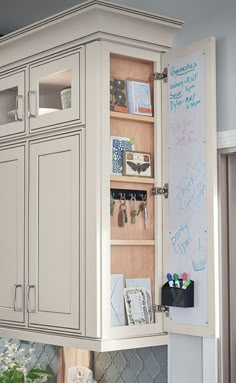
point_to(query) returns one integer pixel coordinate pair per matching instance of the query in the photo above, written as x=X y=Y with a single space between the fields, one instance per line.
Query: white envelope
x=117 y=300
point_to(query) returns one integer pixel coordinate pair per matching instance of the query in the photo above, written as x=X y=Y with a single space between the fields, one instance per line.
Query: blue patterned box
x=118 y=145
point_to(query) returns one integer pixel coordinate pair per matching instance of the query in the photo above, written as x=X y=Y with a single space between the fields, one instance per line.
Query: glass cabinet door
x=54 y=95
x=12 y=104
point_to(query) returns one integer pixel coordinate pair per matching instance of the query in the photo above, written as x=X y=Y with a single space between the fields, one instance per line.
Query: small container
x=177 y=296
x=66 y=98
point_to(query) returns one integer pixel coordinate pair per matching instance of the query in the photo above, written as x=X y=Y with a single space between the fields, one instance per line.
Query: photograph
x=137 y=164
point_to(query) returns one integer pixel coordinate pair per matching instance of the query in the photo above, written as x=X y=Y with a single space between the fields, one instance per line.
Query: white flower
x=12 y=365
x=31 y=350
x=12 y=348
x=20 y=369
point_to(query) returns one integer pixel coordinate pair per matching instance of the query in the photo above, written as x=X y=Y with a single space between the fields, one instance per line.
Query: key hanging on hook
x=122 y=216
x=133 y=211
x=145 y=212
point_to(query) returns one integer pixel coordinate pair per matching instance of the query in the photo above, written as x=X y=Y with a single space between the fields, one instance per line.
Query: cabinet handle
x=17 y=118
x=30 y=94
x=15 y=305
x=29 y=287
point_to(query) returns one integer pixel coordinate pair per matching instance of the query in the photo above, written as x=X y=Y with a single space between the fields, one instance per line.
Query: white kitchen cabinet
x=75 y=246
x=56 y=243
x=12 y=235
x=45 y=95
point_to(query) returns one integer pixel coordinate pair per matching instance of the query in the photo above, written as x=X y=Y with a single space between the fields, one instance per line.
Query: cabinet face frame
x=73 y=61
x=108 y=49
x=14 y=156
x=73 y=321
x=18 y=126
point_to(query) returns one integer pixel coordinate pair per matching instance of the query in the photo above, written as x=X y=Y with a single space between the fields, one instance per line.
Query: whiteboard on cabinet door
x=188 y=144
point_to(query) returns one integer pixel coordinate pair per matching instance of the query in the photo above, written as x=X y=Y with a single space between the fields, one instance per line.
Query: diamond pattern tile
x=145 y=365
x=152 y=366
x=136 y=364
x=119 y=361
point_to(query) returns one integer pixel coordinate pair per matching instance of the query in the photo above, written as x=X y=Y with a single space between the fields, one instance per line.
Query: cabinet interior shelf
x=140 y=180
x=132 y=117
x=128 y=242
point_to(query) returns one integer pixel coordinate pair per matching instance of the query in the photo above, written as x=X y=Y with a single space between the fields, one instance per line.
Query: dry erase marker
x=184 y=276
x=186 y=284
x=170 y=280
x=186 y=281
x=176 y=280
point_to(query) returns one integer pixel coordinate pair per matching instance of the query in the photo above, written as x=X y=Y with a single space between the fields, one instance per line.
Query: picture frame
x=136 y=305
x=144 y=283
x=137 y=164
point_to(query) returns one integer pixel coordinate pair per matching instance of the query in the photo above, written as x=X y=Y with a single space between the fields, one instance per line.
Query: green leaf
x=37 y=373
x=12 y=376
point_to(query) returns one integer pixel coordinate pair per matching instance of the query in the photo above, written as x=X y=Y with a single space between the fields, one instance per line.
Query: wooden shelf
x=132 y=117
x=140 y=242
x=140 y=180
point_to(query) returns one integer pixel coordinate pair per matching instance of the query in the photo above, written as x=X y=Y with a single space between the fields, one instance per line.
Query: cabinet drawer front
x=12 y=223
x=56 y=92
x=56 y=241
x=12 y=104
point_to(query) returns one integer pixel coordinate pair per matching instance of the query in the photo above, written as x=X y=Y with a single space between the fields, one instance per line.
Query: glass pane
x=7 y=105
x=55 y=92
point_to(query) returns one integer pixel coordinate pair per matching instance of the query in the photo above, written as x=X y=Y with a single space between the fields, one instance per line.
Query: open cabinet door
x=190 y=169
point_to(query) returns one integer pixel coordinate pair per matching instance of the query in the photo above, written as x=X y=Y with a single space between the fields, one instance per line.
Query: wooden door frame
x=224 y=342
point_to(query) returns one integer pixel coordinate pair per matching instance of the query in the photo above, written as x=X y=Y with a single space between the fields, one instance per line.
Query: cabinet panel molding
x=55 y=232
x=12 y=236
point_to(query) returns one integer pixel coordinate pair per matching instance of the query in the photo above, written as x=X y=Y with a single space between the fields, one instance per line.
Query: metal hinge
x=161 y=75
x=161 y=309
x=161 y=191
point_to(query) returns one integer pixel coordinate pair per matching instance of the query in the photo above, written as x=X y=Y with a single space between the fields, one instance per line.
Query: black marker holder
x=177 y=296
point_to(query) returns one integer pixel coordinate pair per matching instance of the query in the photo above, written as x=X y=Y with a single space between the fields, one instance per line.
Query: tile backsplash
x=144 y=365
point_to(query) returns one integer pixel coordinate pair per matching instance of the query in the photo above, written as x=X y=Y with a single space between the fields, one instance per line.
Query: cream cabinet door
x=55 y=94
x=55 y=232
x=12 y=223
